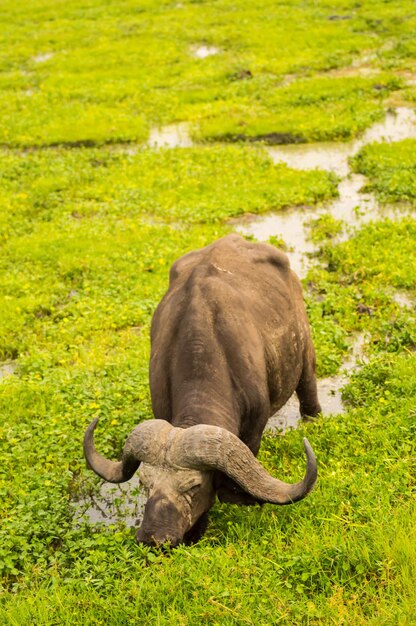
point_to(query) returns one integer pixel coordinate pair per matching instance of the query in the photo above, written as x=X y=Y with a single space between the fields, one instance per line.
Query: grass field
x=91 y=219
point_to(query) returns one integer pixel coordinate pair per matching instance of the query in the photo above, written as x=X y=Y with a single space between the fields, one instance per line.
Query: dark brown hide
x=231 y=343
x=231 y=340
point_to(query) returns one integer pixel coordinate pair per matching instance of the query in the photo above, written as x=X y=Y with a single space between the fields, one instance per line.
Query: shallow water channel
x=354 y=207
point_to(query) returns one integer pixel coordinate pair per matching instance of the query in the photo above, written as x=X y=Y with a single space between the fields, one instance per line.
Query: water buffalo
x=230 y=344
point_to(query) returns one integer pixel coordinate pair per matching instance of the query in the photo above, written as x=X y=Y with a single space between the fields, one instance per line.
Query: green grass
x=193 y=185
x=88 y=231
x=353 y=291
x=391 y=169
x=92 y=73
x=332 y=556
x=312 y=109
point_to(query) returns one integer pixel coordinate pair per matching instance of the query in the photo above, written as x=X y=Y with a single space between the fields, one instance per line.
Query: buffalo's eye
x=188 y=485
x=191 y=492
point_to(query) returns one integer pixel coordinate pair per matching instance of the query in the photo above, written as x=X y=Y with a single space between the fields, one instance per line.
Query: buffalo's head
x=177 y=502
x=177 y=470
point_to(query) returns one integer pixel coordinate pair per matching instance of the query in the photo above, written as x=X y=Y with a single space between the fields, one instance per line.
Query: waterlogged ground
x=353 y=207
x=130 y=134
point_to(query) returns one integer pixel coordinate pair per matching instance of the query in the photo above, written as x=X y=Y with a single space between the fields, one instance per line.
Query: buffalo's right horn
x=213 y=448
x=147 y=443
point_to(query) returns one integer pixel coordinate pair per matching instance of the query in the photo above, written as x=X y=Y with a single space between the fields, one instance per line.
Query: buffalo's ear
x=197 y=531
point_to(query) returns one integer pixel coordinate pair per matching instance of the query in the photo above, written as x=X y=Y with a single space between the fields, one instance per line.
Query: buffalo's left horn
x=213 y=448
x=147 y=442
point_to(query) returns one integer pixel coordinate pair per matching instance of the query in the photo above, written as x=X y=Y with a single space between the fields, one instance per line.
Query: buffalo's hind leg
x=306 y=390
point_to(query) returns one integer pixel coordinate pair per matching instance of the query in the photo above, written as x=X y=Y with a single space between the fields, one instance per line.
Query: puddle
x=397 y=125
x=350 y=198
x=329 y=394
x=329 y=391
x=7 y=369
x=202 y=52
x=43 y=57
x=327 y=156
x=113 y=504
x=404 y=300
x=172 y=136
x=333 y=156
x=354 y=207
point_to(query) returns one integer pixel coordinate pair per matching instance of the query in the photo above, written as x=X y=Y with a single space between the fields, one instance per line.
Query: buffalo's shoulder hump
x=233 y=248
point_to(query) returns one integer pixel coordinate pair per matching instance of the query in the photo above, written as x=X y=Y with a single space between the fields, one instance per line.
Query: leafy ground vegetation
x=88 y=230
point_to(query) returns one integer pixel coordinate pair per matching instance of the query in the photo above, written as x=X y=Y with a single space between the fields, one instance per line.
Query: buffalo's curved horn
x=200 y=447
x=147 y=442
x=213 y=448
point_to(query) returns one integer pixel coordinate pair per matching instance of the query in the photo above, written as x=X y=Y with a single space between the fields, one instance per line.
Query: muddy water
x=332 y=156
x=353 y=206
x=172 y=136
x=397 y=125
x=113 y=504
x=7 y=369
x=329 y=390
